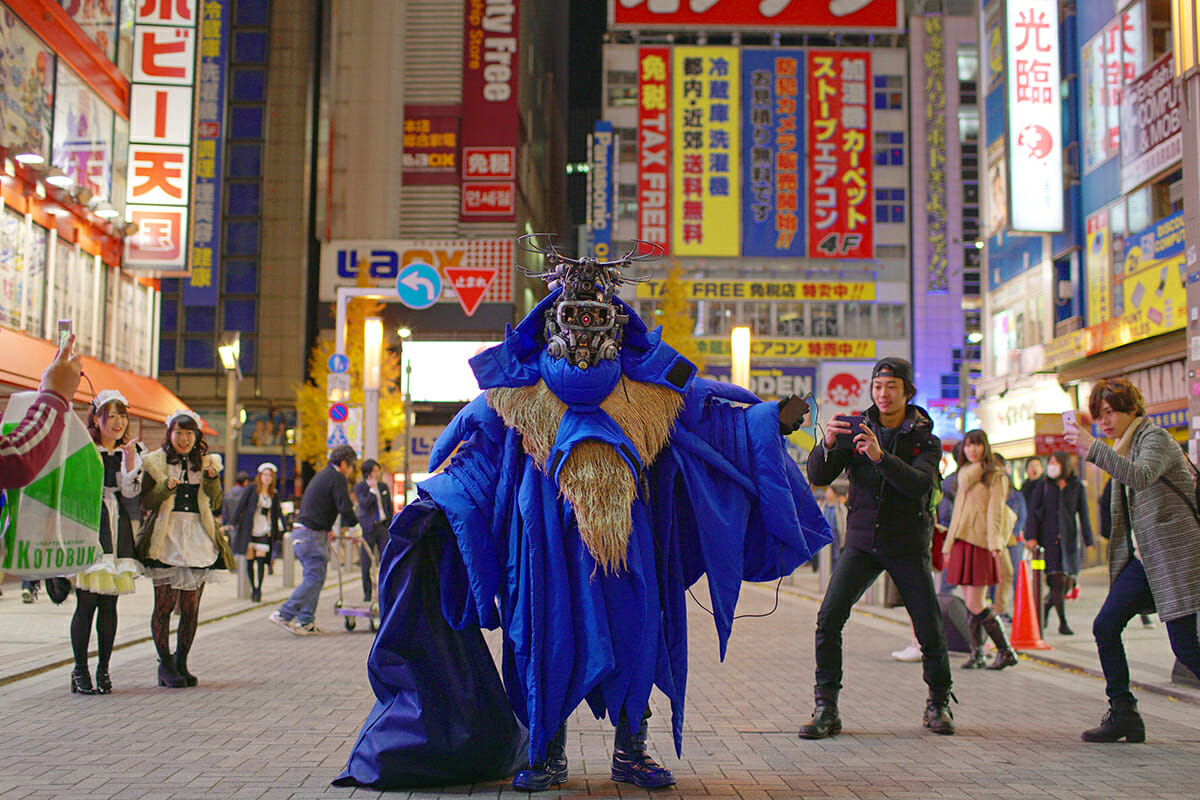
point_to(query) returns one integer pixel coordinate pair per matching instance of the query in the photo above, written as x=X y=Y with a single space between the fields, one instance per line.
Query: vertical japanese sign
x=1034 y=133
x=654 y=145
x=600 y=188
x=491 y=126
x=707 y=121
x=935 y=159
x=772 y=146
x=840 y=215
x=769 y=15
x=201 y=287
x=1108 y=61
x=1097 y=262
x=160 y=134
x=1151 y=124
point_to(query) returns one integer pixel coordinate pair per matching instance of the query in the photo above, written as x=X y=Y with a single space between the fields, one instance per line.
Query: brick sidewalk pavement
x=275 y=715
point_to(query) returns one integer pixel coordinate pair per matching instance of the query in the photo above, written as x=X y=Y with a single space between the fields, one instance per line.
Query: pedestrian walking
x=327 y=496
x=97 y=587
x=1058 y=518
x=180 y=544
x=1154 y=552
x=1003 y=594
x=374 y=515
x=979 y=528
x=257 y=521
x=892 y=463
x=25 y=449
x=1034 y=474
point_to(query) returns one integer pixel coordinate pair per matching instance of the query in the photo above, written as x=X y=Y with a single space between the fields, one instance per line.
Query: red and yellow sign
x=654 y=145
x=763 y=290
x=841 y=148
x=719 y=346
x=706 y=113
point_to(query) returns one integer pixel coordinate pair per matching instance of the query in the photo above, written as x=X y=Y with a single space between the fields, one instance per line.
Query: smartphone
x=64 y=333
x=1068 y=419
x=847 y=439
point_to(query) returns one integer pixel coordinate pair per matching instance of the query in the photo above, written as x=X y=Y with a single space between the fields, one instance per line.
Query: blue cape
x=722 y=500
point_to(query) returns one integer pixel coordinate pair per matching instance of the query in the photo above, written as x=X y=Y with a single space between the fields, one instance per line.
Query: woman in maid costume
x=98 y=586
x=257 y=522
x=180 y=543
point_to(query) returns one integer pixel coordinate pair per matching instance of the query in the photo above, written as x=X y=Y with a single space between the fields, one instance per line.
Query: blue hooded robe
x=491 y=542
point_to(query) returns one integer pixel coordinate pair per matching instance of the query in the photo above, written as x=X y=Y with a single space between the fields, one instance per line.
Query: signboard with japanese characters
x=936 y=208
x=601 y=182
x=839 y=182
x=431 y=145
x=472 y=271
x=654 y=145
x=161 y=104
x=772 y=153
x=790 y=349
x=1108 y=61
x=770 y=15
x=1034 y=133
x=200 y=288
x=490 y=128
x=1097 y=265
x=1151 y=125
x=707 y=122
x=761 y=290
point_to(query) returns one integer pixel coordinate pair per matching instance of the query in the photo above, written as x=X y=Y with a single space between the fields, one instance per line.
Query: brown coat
x=979 y=507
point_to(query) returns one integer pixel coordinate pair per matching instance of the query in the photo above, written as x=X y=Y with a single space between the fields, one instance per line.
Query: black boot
x=1005 y=655
x=630 y=764
x=103 y=682
x=81 y=681
x=975 y=638
x=169 y=676
x=825 y=720
x=551 y=772
x=181 y=667
x=1121 y=722
x=938 y=717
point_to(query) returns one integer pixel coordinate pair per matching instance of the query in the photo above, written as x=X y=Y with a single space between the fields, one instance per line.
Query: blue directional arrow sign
x=419 y=285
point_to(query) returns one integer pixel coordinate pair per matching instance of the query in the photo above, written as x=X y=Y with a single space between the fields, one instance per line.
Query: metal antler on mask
x=585 y=325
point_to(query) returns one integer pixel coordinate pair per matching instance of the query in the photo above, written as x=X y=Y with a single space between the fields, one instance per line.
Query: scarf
x=1121 y=446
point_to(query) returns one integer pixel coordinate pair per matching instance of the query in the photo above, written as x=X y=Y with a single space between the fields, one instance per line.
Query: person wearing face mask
x=1057 y=519
x=1154 y=552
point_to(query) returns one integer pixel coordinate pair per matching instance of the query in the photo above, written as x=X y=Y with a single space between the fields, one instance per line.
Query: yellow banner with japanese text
x=762 y=290
x=719 y=347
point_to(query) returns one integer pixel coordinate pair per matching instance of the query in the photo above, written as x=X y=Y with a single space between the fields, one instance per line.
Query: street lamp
x=372 y=346
x=230 y=351
x=739 y=364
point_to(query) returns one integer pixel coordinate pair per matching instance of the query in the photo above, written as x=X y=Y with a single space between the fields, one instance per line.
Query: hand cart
x=352 y=612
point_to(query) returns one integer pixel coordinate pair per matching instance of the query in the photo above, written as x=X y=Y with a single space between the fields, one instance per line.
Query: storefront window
x=35 y=281
x=12 y=266
x=83 y=134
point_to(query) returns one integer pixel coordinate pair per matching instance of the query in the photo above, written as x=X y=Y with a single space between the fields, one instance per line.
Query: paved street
x=274 y=715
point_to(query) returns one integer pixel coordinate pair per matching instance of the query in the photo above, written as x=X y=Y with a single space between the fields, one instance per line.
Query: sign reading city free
x=770 y=15
x=1034 y=133
x=478 y=270
x=491 y=122
x=1151 y=125
x=756 y=152
x=161 y=101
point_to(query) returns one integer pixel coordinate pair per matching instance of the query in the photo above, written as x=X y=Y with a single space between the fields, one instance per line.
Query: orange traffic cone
x=1026 y=633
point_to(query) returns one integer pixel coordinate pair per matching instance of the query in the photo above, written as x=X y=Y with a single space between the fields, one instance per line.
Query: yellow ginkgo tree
x=676 y=318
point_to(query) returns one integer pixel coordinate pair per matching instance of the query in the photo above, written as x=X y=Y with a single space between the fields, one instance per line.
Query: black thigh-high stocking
x=255 y=568
x=81 y=625
x=106 y=629
x=262 y=569
x=165 y=597
x=189 y=615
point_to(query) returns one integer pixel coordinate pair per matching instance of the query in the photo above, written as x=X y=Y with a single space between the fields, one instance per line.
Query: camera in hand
x=846 y=440
x=791 y=413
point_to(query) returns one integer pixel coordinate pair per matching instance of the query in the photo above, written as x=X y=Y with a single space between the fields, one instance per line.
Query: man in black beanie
x=892 y=463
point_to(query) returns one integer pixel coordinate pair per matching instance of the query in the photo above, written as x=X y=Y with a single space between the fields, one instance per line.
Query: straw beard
x=595 y=480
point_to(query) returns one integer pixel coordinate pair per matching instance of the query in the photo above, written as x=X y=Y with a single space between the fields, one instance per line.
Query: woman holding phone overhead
x=1154 y=549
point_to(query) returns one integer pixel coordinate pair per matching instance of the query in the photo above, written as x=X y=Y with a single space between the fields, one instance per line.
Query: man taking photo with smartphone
x=892 y=462
x=25 y=450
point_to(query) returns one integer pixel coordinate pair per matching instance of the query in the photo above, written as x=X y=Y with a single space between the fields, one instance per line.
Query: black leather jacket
x=888 y=504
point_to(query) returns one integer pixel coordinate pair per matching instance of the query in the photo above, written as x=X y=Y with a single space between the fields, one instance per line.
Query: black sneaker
x=938 y=717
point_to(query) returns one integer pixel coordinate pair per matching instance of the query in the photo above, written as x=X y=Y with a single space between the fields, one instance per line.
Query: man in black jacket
x=374 y=515
x=892 y=466
x=327 y=496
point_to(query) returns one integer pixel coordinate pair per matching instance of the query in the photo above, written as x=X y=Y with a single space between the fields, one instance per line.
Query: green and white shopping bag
x=52 y=526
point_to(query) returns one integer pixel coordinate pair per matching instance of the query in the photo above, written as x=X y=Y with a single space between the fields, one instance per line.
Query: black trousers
x=855 y=571
x=375 y=538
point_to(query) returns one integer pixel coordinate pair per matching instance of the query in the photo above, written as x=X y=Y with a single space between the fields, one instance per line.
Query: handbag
x=936 y=556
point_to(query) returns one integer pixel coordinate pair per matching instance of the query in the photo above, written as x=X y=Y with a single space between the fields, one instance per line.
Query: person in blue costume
x=594 y=480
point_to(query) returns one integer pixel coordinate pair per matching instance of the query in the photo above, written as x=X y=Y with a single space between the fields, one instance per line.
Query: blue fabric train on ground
x=595 y=480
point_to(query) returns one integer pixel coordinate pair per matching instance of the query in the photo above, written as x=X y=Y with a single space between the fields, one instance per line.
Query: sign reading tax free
x=160 y=133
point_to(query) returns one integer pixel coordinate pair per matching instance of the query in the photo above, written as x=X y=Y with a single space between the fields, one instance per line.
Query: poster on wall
x=1108 y=61
x=1151 y=297
x=1151 y=125
x=844 y=388
x=1097 y=262
x=27 y=85
x=773 y=147
x=841 y=155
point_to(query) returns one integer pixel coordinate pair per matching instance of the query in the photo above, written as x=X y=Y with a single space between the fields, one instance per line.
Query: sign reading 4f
x=839 y=244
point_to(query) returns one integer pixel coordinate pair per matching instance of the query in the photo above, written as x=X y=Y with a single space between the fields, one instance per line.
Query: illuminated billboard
x=770 y=15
